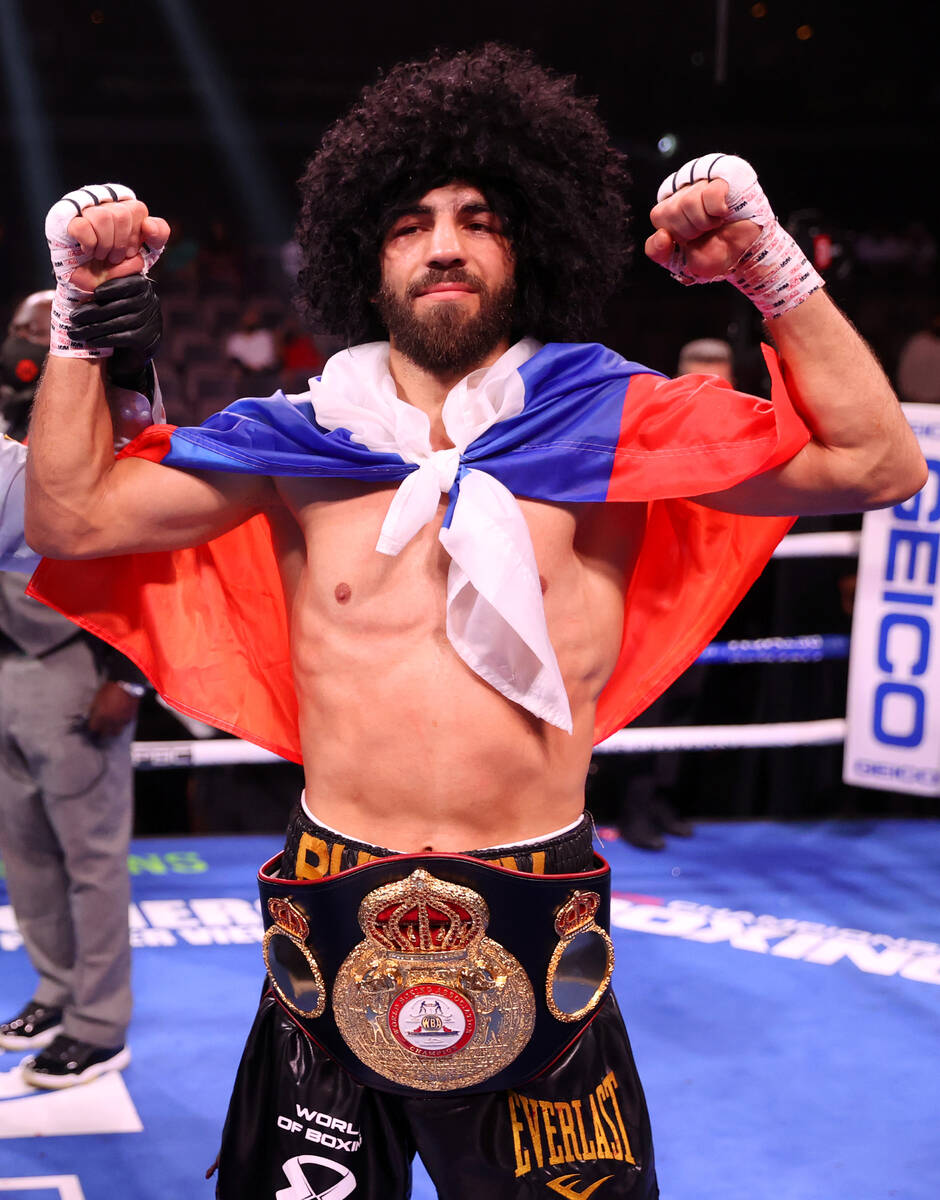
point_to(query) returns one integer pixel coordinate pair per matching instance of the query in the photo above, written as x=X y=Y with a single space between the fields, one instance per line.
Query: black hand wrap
x=124 y=315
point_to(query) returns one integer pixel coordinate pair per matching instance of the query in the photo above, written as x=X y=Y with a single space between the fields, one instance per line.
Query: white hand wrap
x=67 y=254
x=773 y=272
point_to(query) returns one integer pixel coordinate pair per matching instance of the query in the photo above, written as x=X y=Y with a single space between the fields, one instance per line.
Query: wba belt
x=439 y=972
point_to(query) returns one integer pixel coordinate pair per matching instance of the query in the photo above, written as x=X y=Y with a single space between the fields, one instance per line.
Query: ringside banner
x=893 y=712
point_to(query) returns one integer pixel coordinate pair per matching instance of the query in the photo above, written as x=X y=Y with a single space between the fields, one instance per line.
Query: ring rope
x=811 y=647
x=214 y=752
x=819 y=545
x=725 y=737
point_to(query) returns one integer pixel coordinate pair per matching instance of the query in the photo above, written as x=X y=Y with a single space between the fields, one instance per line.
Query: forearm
x=860 y=435
x=71 y=453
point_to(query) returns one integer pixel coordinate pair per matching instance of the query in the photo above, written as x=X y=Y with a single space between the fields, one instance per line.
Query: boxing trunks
x=454 y=1006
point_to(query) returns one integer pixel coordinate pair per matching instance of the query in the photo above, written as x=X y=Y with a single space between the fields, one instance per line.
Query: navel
x=342 y=592
x=543 y=584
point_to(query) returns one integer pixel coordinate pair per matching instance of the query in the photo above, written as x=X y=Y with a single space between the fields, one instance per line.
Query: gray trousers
x=66 y=803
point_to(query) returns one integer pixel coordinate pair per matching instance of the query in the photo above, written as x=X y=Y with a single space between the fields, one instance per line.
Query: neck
x=427 y=390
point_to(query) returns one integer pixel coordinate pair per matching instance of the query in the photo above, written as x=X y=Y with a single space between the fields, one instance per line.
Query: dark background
x=151 y=91
x=210 y=109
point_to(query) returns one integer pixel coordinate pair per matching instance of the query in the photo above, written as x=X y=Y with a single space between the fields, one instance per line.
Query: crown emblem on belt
x=289 y=917
x=423 y=915
x=290 y=960
x=578 y=912
x=582 y=964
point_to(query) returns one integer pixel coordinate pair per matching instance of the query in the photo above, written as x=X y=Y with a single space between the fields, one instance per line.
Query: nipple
x=342 y=592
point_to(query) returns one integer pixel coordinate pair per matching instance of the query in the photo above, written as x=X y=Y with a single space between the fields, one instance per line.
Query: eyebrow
x=425 y=210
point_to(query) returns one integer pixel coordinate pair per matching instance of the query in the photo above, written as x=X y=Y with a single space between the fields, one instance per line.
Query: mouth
x=446 y=291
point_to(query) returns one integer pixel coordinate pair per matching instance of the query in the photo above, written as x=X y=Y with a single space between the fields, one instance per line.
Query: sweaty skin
x=403 y=745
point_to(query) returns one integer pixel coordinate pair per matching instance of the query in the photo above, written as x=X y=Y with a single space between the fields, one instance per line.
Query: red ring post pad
x=522 y=911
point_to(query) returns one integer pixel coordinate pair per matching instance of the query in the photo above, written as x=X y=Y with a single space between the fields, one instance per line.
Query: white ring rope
x=725 y=737
x=219 y=752
x=215 y=752
x=200 y=752
x=819 y=545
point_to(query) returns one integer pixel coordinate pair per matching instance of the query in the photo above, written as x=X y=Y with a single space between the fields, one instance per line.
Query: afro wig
x=494 y=118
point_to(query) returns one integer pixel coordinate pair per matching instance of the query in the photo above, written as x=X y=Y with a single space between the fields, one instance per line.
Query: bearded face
x=442 y=337
x=448 y=281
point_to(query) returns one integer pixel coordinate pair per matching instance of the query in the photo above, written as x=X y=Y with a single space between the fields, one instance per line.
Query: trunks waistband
x=313 y=851
x=440 y=972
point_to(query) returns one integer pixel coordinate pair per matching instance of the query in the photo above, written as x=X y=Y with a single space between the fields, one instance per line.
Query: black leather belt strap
x=523 y=910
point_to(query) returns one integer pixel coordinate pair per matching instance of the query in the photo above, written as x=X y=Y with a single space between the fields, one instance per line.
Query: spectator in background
x=21 y=357
x=221 y=268
x=68 y=709
x=301 y=358
x=918 y=375
x=706 y=356
x=253 y=350
x=179 y=268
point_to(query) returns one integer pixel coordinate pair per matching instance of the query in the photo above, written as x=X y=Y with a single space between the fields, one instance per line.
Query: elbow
x=897 y=482
x=918 y=478
x=45 y=543
x=54 y=539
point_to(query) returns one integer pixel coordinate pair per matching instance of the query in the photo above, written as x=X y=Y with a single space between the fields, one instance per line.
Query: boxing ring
x=780 y=981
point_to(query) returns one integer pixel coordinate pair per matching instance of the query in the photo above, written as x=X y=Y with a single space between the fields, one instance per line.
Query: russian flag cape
x=209 y=627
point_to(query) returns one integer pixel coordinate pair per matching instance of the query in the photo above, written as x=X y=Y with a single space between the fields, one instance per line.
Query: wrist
x=775 y=274
x=61 y=342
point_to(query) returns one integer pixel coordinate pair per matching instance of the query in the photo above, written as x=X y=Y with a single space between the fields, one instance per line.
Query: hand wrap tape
x=67 y=254
x=773 y=272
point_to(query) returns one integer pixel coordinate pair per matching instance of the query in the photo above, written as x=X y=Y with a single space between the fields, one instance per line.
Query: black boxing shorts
x=306 y=1121
x=312 y=850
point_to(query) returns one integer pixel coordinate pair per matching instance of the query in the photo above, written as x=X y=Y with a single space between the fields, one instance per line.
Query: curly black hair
x=497 y=119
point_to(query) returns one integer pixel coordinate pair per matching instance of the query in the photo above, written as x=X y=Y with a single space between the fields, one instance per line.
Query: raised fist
x=96 y=233
x=708 y=213
x=713 y=221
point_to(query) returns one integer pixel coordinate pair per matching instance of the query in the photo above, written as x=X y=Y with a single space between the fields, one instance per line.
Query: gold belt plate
x=427 y=1000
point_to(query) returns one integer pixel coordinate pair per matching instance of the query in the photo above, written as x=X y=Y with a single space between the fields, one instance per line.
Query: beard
x=446 y=340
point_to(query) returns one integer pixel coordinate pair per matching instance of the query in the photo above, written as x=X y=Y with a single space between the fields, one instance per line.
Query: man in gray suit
x=68 y=709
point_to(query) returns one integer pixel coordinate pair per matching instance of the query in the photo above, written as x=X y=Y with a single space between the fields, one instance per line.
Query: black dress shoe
x=669 y=821
x=31 y=1029
x=67 y=1062
x=677 y=827
x=637 y=829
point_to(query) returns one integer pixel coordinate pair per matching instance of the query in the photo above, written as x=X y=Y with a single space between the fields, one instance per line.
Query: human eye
x=482 y=221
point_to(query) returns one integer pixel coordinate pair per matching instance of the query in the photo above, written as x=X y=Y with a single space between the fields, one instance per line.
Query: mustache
x=433 y=277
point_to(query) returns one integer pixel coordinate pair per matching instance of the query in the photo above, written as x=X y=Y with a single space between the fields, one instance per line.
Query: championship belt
x=437 y=972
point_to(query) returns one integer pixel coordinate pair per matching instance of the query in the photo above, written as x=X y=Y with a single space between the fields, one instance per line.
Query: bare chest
x=339 y=524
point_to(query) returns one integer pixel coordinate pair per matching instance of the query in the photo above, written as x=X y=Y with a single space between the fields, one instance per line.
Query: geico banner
x=893 y=713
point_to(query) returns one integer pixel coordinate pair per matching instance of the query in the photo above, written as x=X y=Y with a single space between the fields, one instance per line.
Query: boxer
x=492 y=544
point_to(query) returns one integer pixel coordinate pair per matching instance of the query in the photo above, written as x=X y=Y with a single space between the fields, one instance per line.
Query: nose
x=445 y=248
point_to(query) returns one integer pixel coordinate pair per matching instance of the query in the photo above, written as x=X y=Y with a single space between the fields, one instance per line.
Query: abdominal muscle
x=404 y=745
